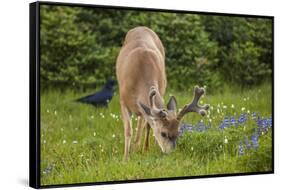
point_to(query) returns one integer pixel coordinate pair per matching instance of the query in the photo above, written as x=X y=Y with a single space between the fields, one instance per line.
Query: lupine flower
x=226 y=121
x=254 y=116
x=189 y=129
x=185 y=127
x=242 y=119
x=254 y=139
x=263 y=124
x=269 y=122
x=233 y=121
x=259 y=131
x=223 y=125
x=200 y=126
x=241 y=149
x=248 y=145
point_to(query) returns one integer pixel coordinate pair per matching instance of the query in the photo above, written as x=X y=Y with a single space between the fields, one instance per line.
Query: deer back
x=140 y=65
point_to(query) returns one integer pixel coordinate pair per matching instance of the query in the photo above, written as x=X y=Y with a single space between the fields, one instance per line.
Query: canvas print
x=142 y=94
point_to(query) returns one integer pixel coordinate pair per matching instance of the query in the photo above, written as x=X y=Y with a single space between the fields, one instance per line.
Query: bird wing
x=99 y=97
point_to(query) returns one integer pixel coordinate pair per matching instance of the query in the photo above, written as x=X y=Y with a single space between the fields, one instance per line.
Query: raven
x=100 y=98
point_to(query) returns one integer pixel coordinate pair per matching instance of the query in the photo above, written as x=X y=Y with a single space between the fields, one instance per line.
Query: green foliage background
x=79 y=46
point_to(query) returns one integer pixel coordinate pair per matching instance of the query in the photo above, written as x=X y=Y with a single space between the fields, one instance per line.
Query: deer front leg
x=146 y=142
x=127 y=131
x=140 y=127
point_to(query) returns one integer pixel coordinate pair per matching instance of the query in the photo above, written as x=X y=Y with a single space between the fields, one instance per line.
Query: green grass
x=80 y=143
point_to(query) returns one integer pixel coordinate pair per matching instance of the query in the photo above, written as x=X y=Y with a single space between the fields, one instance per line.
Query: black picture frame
x=34 y=93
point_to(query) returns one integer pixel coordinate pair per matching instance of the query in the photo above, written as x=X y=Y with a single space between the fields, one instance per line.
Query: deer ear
x=172 y=104
x=145 y=109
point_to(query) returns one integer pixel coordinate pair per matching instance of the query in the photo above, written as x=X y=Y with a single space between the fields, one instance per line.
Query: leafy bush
x=79 y=46
x=245 y=55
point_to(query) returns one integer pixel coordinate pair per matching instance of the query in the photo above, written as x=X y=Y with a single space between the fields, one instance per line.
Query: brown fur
x=141 y=76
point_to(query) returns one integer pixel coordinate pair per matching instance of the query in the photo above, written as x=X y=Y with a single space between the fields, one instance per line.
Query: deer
x=141 y=76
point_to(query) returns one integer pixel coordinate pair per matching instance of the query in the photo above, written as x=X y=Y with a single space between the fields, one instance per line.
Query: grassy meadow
x=80 y=143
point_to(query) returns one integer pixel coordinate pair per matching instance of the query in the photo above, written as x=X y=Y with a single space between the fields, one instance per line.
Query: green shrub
x=79 y=46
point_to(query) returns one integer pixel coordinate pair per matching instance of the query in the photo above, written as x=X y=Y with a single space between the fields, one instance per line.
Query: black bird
x=102 y=97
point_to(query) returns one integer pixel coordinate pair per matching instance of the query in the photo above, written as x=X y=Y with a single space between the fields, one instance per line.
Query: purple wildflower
x=200 y=127
x=269 y=122
x=233 y=121
x=248 y=145
x=254 y=139
x=185 y=127
x=254 y=116
x=242 y=119
x=241 y=149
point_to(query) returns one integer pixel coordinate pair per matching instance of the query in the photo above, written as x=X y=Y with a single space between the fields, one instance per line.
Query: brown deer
x=140 y=70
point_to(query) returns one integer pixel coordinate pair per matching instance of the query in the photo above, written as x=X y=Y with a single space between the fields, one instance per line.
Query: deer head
x=165 y=122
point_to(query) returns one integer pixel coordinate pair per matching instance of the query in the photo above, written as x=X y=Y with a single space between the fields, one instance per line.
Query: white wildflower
x=225 y=140
x=64 y=141
x=74 y=142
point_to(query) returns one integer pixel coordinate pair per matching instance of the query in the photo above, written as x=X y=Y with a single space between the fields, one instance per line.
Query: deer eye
x=164 y=134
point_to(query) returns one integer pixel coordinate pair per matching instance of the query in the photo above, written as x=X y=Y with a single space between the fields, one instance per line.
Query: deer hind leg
x=140 y=126
x=146 y=142
x=126 y=116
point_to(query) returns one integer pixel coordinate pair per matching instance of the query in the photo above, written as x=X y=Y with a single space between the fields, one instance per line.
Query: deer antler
x=193 y=106
x=159 y=112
